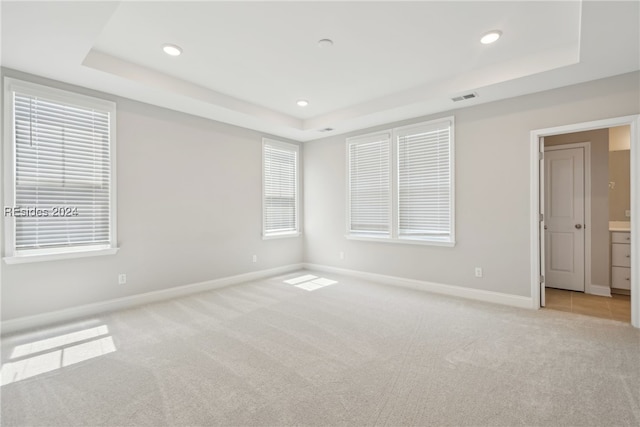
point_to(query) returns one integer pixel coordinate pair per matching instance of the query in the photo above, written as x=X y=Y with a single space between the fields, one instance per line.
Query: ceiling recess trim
x=160 y=81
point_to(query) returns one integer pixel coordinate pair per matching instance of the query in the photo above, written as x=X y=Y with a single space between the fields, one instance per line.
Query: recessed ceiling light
x=491 y=37
x=325 y=43
x=302 y=102
x=172 y=49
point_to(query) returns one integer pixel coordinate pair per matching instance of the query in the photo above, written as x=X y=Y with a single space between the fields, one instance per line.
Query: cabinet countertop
x=619 y=226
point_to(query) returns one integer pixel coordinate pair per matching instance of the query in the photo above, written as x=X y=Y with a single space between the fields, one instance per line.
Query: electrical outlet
x=255 y=258
x=478 y=271
x=341 y=255
x=627 y=213
x=122 y=279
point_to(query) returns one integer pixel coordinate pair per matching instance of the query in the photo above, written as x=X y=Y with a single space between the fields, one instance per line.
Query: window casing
x=369 y=175
x=280 y=189
x=59 y=174
x=419 y=196
x=425 y=182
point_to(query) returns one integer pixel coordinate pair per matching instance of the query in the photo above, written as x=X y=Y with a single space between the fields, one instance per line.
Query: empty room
x=320 y=213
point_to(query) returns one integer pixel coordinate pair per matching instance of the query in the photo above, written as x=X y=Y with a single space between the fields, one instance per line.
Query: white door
x=564 y=218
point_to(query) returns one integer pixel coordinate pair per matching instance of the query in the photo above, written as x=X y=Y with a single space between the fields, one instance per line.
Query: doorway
x=538 y=243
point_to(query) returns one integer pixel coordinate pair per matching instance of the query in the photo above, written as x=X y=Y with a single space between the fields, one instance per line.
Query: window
x=424 y=182
x=403 y=191
x=60 y=186
x=370 y=185
x=279 y=189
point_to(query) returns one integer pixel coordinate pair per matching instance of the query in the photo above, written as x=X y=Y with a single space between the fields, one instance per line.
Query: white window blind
x=425 y=182
x=370 y=185
x=62 y=195
x=280 y=188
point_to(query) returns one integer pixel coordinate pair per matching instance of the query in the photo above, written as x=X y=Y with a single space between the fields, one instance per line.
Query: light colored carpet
x=350 y=353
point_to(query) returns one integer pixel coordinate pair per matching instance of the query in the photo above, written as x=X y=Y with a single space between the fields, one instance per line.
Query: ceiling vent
x=326 y=130
x=465 y=97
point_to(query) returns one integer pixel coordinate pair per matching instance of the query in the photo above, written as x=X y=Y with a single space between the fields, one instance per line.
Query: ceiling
x=247 y=63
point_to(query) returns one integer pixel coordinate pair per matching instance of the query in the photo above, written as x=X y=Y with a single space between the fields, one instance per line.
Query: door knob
x=578 y=226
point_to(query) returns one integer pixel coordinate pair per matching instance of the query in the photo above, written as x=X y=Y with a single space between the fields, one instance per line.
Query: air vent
x=326 y=130
x=465 y=97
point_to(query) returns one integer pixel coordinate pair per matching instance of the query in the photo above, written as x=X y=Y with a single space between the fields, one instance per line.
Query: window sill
x=420 y=242
x=281 y=235
x=21 y=259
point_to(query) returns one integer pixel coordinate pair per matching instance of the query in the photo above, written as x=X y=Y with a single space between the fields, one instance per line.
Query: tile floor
x=618 y=307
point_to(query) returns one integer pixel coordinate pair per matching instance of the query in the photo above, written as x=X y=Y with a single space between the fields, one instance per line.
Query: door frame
x=536 y=148
x=588 y=286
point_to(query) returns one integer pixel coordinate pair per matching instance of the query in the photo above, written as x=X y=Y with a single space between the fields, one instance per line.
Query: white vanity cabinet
x=621 y=260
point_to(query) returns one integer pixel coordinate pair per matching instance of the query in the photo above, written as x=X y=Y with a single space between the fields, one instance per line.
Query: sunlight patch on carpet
x=309 y=282
x=300 y=279
x=38 y=357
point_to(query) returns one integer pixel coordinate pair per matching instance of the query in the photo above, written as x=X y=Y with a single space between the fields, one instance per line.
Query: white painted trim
x=47 y=319
x=16 y=85
x=8 y=164
x=541 y=293
x=282 y=235
x=600 y=290
x=394 y=180
x=296 y=149
x=385 y=135
x=438 y=288
x=395 y=167
x=423 y=242
x=587 y=205
x=22 y=259
x=534 y=145
x=635 y=221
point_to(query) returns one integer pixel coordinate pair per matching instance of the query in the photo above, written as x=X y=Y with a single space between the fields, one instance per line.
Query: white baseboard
x=600 y=290
x=438 y=288
x=52 y=317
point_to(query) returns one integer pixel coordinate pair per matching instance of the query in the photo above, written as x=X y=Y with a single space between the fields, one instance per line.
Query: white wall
x=189 y=203
x=189 y=210
x=492 y=190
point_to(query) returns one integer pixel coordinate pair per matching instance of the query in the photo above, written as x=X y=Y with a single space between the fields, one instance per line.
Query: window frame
x=364 y=139
x=296 y=149
x=394 y=236
x=11 y=255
